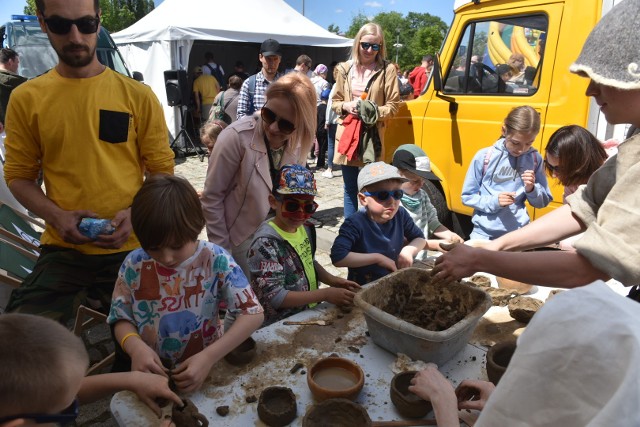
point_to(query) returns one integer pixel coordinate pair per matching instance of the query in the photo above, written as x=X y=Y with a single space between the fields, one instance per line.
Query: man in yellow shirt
x=205 y=89
x=94 y=133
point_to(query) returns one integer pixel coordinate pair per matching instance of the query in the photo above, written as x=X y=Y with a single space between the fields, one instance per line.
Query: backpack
x=215 y=72
x=218 y=110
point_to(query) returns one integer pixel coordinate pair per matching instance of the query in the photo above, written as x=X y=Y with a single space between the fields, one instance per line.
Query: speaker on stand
x=178 y=95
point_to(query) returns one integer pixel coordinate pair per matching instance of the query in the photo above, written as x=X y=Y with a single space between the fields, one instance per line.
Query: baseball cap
x=270 y=47
x=198 y=69
x=377 y=172
x=295 y=179
x=321 y=69
x=410 y=157
x=325 y=93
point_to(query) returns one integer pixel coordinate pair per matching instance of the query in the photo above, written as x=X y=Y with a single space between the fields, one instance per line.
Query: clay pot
x=336 y=413
x=498 y=358
x=277 y=406
x=335 y=377
x=242 y=354
x=407 y=403
x=188 y=415
x=519 y=287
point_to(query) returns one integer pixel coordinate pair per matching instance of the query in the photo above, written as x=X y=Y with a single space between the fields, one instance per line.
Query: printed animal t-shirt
x=175 y=310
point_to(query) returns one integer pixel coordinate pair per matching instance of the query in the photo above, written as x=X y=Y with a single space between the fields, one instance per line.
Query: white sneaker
x=327 y=173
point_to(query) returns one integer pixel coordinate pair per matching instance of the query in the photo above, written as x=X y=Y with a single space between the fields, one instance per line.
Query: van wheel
x=434 y=191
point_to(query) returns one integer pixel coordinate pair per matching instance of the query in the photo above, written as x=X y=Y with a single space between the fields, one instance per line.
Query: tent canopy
x=235 y=21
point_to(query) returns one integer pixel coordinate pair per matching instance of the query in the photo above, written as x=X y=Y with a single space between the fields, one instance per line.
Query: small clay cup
x=407 y=403
x=336 y=413
x=321 y=393
x=242 y=354
x=188 y=415
x=277 y=406
x=498 y=358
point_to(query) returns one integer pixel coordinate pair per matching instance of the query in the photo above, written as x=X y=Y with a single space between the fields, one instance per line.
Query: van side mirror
x=137 y=76
x=437 y=73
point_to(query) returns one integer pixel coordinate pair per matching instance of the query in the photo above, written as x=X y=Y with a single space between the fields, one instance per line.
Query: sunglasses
x=374 y=46
x=551 y=167
x=294 y=205
x=65 y=417
x=62 y=26
x=384 y=195
x=269 y=117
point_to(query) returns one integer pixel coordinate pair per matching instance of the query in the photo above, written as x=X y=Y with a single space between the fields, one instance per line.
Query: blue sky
x=322 y=12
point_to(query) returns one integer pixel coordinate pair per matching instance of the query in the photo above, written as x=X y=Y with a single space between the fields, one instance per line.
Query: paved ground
x=329 y=218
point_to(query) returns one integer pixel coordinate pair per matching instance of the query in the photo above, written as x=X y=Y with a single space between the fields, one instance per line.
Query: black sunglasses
x=384 y=195
x=269 y=117
x=551 y=167
x=294 y=205
x=65 y=417
x=366 y=46
x=62 y=26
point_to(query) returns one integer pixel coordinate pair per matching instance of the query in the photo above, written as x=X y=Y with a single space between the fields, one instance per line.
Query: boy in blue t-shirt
x=371 y=242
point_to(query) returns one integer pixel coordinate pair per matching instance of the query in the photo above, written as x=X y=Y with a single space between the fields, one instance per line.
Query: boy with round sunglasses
x=371 y=242
x=284 y=274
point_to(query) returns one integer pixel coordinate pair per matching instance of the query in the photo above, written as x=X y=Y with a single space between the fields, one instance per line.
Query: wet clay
x=188 y=415
x=480 y=281
x=417 y=300
x=407 y=403
x=336 y=413
x=498 y=358
x=277 y=406
x=335 y=378
x=523 y=308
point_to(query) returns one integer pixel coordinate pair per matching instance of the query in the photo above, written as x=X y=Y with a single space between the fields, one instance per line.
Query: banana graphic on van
x=501 y=51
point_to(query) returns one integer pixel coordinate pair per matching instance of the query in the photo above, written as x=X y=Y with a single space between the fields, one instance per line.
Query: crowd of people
x=164 y=289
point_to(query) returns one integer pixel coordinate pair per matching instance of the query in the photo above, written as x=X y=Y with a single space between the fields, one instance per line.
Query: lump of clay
x=500 y=297
x=480 y=281
x=187 y=415
x=523 y=308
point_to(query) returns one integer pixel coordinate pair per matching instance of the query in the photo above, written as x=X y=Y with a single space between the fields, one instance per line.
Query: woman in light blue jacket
x=502 y=177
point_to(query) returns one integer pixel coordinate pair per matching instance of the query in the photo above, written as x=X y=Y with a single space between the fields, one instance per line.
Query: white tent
x=163 y=39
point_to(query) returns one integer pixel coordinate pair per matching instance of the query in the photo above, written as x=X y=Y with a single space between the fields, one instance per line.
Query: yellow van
x=465 y=101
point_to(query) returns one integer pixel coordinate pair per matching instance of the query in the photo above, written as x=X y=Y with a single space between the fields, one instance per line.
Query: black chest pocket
x=114 y=126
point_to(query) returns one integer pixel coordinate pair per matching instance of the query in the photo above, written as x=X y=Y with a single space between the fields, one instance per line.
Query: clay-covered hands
x=340 y=282
x=339 y=296
x=192 y=373
x=150 y=388
x=473 y=394
x=506 y=198
x=528 y=179
x=386 y=262
x=144 y=359
x=405 y=258
x=455 y=263
x=431 y=385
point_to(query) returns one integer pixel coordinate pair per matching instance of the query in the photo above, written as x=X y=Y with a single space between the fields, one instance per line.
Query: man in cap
x=205 y=89
x=252 y=93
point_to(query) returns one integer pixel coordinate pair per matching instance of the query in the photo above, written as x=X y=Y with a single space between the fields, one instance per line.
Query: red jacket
x=350 y=138
x=418 y=78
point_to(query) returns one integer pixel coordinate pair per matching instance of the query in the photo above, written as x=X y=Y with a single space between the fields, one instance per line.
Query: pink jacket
x=236 y=190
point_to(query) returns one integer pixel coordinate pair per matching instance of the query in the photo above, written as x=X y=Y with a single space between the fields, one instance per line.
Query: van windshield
x=37 y=56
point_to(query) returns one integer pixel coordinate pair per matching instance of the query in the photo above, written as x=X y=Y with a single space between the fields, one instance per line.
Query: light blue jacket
x=483 y=184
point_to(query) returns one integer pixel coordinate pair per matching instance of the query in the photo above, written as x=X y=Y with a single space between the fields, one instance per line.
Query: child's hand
x=528 y=179
x=405 y=259
x=339 y=296
x=191 y=373
x=473 y=394
x=453 y=237
x=506 y=198
x=150 y=387
x=339 y=282
x=144 y=359
x=386 y=262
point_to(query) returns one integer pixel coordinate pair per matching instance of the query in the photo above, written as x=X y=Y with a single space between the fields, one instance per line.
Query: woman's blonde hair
x=373 y=29
x=523 y=119
x=299 y=91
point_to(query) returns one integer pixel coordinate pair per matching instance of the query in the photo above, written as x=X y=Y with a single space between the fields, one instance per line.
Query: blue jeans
x=331 y=143
x=350 y=178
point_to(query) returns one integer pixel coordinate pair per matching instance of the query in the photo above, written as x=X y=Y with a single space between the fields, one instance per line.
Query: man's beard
x=70 y=55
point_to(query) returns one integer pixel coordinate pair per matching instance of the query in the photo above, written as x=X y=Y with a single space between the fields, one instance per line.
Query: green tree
x=333 y=29
x=116 y=14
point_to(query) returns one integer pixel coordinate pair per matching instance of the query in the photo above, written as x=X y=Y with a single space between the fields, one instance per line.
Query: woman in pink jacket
x=246 y=157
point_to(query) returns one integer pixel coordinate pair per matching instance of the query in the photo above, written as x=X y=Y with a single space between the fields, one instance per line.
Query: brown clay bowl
x=242 y=354
x=407 y=403
x=336 y=413
x=519 y=287
x=277 y=406
x=335 y=377
x=498 y=358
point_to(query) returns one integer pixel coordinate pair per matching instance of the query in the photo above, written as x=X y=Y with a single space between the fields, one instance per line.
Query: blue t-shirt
x=360 y=234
